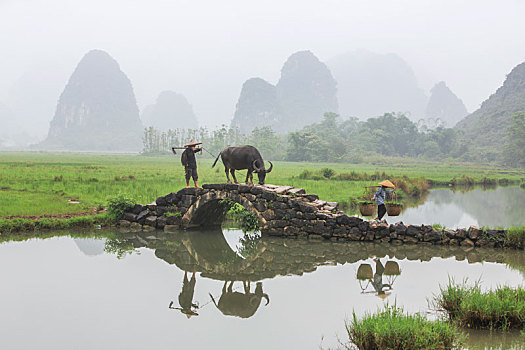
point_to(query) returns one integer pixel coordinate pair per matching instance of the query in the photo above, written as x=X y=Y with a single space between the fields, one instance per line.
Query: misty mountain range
x=97 y=109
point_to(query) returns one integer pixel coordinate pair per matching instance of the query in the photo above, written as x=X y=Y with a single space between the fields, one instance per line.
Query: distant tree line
x=344 y=140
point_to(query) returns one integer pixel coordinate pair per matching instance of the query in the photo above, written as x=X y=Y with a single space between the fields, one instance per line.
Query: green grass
x=35 y=184
x=515 y=237
x=502 y=308
x=391 y=328
x=8 y=226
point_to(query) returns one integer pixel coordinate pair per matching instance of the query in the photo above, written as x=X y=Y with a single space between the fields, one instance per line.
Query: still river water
x=115 y=291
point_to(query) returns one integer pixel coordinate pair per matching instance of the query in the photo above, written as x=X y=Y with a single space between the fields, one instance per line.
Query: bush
x=515 y=237
x=245 y=218
x=118 y=205
x=327 y=172
x=502 y=308
x=393 y=329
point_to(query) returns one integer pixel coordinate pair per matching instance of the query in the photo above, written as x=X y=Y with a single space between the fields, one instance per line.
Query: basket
x=391 y=268
x=367 y=209
x=393 y=209
x=364 y=272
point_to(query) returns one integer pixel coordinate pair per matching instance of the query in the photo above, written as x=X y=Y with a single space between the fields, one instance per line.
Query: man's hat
x=387 y=183
x=193 y=143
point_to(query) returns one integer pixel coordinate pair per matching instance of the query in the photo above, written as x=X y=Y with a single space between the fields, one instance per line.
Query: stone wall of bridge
x=290 y=212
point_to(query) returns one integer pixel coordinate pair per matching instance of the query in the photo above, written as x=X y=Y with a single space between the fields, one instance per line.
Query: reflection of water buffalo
x=243 y=157
x=238 y=304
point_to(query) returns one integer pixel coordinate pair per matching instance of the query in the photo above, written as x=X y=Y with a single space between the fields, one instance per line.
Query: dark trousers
x=381 y=211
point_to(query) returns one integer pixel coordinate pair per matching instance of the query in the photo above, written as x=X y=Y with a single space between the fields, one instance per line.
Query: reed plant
x=469 y=306
x=392 y=328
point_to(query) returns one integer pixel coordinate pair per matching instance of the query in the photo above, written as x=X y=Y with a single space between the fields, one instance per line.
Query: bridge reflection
x=254 y=258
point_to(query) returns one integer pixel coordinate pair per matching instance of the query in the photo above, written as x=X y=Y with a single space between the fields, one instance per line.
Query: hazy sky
x=207 y=49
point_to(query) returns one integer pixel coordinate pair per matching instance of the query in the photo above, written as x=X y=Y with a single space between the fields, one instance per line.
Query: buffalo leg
x=224 y=287
x=247 y=176
x=232 y=171
x=230 y=287
x=227 y=175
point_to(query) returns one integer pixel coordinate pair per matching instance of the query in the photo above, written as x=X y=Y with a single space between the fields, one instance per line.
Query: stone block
x=243 y=188
x=137 y=209
x=322 y=216
x=410 y=239
x=173 y=220
x=151 y=221
x=161 y=201
x=171 y=228
x=291 y=231
x=260 y=205
x=296 y=191
x=413 y=231
x=282 y=189
x=334 y=205
x=231 y=187
x=474 y=232
x=129 y=217
x=310 y=197
x=461 y=233
x=162 y=210
x=268 y=215
x=124 y=223
x=269 y=196
x=161 y=221
x=432 y=236
x=188 y=200
x=142 y=216
x=249 y=196
x=256 y=190
x=363 y=226
x=467 y=243
x=219 y=187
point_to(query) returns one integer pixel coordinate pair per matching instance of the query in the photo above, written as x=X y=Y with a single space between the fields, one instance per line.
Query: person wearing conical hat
x=190 y=163
x=377 y=282
x=379 y=197
x=187 y=306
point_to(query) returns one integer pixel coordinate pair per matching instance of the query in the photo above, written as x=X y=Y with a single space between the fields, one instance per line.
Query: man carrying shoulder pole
x=188 y=160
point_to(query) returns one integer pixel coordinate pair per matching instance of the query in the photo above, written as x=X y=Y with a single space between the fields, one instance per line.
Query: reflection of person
x=380 y=198
x=186 y=297
x=190 y=163
x=377 y=282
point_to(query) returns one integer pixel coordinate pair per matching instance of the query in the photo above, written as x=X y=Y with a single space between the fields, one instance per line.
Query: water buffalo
x=243 y=157
x=241 y=305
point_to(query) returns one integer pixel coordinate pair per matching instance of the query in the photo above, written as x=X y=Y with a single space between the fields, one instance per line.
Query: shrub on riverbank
x=392 y=328
x=23 y=224
x=515 y=237
x=502 y=308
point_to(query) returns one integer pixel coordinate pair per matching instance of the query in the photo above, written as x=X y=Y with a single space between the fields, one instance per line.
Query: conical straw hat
x=192 y=143
x=387 y=183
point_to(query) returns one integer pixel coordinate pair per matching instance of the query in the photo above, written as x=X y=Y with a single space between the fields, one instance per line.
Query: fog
x=205 y=50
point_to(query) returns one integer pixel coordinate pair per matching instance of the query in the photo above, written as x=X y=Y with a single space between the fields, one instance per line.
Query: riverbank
x=34 y=184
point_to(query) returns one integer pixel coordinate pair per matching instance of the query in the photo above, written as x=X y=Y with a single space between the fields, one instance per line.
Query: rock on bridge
x=288 y=211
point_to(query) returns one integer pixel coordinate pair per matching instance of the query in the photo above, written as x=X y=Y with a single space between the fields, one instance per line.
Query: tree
x=514 y=153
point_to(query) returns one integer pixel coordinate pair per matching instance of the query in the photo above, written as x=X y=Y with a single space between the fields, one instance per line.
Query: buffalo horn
x=271 y=167
x=255 y=166
x=265 y=296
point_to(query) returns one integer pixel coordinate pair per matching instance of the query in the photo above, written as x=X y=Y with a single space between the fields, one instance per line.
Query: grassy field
x=34 y=184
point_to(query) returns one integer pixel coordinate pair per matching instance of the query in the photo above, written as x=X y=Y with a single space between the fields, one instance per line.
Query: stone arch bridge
x=288 y=211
